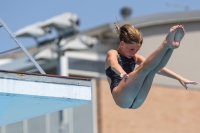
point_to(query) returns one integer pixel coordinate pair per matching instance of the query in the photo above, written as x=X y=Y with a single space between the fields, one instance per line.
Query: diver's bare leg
x=143 y=92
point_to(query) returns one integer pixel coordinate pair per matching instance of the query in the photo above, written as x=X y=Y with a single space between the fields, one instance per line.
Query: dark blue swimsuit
x=127 y=64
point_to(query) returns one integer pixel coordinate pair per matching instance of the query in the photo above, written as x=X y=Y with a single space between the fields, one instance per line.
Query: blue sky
x=19 y=13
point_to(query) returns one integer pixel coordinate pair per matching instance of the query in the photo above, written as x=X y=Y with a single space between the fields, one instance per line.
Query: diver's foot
x=174 y=36
x=179 y=34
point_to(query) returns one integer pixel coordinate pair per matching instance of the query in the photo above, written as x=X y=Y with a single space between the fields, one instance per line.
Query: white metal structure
x=62 y=21
x=33 y=30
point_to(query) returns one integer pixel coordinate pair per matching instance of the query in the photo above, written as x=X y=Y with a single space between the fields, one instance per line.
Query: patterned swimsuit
x=127 y=64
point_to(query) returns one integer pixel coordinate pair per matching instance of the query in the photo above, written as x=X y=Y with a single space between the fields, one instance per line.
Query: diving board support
x=2 y=24
x=27 y=95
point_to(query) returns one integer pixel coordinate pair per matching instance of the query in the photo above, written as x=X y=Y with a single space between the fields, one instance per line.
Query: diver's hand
x=124 y=76
x=184 y=82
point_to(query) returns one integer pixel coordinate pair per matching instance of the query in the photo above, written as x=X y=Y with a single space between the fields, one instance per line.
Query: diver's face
x=129 y=50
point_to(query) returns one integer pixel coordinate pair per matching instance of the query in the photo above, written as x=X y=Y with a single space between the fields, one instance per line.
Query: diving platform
x=26 y=95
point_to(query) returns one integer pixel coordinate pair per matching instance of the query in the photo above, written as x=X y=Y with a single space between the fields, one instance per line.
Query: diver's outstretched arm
x=168 y=73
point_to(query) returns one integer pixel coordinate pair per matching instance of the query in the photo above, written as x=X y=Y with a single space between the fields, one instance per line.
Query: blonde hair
x=129 y=34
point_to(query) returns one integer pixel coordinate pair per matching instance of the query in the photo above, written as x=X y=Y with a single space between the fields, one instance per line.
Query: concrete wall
x=166 y=110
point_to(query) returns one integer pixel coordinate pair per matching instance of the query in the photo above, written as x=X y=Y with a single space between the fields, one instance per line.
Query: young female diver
x=130 y=87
